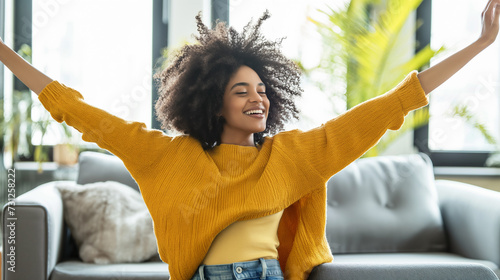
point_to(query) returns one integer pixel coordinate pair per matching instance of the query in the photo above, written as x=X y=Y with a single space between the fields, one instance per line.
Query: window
x=452 y=141
x=101 y=48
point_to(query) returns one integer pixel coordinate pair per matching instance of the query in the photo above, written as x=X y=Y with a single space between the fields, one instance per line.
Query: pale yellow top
x=246 y=241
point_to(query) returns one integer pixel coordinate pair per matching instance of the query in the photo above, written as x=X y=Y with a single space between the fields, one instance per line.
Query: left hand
x=489 y=19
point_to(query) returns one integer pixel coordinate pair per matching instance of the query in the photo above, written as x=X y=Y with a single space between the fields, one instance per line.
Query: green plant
x=461 y=111
x=15 y=128
x=364 y=45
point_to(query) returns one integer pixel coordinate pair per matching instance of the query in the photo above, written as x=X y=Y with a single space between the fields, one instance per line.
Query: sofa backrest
x=95 y=167
x=98 y=167
x=384 y=204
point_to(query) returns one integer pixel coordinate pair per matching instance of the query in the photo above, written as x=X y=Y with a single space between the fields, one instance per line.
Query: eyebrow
x=245 y=84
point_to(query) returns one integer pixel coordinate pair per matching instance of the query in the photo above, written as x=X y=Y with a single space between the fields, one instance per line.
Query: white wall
x=182 y=23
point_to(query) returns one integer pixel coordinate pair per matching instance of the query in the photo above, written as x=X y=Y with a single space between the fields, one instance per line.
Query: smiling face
x=245 y=107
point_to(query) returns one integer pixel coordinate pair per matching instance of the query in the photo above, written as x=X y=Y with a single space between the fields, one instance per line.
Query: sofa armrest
x=37 y=231
x=435 y=271
x=471 y=216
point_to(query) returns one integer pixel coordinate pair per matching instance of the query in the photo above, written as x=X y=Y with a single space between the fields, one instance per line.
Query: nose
x=255 y=96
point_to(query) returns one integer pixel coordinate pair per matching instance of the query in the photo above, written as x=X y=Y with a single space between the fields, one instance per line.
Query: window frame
x=421 y=134
x=161 y=16
x=219 y=10
x=23 y=11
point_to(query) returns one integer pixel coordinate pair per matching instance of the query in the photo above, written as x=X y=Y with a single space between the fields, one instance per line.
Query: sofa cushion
x=384 y=204
x=77 y=270
x=96 y=167
x=109 y=222
x=411 y=258
x=434 y=271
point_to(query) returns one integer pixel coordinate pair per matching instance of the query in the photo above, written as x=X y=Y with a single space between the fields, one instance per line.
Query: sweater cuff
x=410 y=93
x=56 y=97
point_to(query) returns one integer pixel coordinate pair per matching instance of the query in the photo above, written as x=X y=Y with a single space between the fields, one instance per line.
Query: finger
x=488 y=16
x=496 y=15
x=495 y=11
x=486 y=7
x=487 y=11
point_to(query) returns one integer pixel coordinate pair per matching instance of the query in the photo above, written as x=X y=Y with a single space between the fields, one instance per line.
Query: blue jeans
x=268 y=269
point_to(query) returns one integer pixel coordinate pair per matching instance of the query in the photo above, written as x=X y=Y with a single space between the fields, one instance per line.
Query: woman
x=225 y=200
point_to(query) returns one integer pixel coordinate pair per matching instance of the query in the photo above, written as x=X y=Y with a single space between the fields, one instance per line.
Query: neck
x=237 y=139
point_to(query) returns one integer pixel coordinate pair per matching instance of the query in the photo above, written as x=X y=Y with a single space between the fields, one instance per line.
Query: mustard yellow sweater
x=194 y=194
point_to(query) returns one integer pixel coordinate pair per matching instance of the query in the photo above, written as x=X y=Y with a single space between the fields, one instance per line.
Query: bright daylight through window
x=100 y=48
x=476 y=86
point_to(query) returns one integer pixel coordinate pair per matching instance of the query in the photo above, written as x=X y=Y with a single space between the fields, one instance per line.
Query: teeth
x=254 y=112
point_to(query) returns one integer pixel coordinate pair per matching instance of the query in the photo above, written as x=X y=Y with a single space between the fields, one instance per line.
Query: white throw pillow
x=109 y=222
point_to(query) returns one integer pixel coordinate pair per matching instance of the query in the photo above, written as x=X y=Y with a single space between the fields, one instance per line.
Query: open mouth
x=255 y=113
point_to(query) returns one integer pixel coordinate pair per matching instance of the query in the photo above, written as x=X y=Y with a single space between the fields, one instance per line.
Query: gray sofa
x=387 y=219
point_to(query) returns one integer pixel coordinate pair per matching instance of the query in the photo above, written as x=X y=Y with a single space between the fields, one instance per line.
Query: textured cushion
x=384 y=204
x=97 y=167
x=109 y=222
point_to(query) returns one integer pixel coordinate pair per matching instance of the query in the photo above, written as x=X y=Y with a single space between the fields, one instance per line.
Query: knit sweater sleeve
x=334 y=145
x=137 y=146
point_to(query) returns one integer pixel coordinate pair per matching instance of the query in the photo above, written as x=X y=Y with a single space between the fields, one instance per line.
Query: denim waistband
x=239 y=270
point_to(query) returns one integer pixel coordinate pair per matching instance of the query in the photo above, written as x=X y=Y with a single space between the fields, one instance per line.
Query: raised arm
x=136 y=145
x=29 y=75
x=434 y=76
x=338 y=142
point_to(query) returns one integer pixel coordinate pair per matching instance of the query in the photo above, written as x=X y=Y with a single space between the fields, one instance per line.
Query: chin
x=260 y=129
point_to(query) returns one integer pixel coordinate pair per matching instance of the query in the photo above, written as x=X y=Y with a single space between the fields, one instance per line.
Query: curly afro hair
x=191 y=87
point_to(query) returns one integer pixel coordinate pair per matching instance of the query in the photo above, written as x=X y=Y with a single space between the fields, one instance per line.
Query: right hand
x=489 y=18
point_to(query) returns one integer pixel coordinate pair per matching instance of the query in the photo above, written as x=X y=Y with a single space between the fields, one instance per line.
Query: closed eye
x=243 y=92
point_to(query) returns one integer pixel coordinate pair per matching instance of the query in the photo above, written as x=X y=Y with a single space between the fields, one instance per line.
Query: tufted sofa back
x=97 y=167
x=384 y=204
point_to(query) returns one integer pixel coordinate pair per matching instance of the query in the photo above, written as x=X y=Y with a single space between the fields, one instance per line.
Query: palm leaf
x=362 y=47
x=463 y=112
